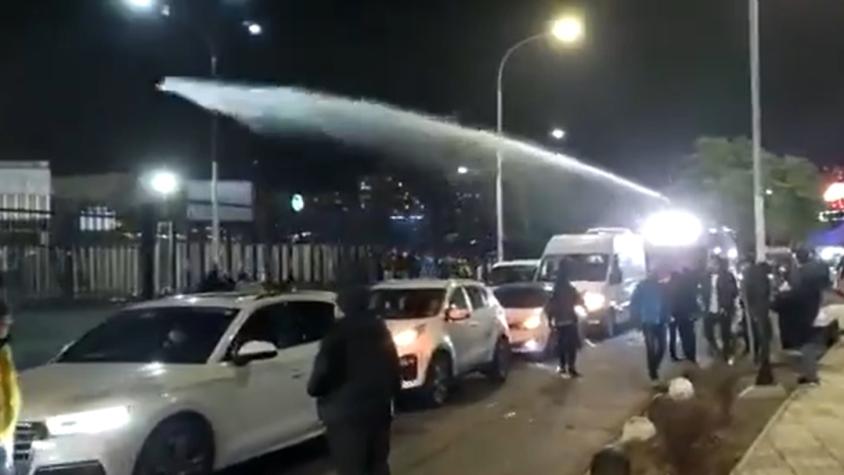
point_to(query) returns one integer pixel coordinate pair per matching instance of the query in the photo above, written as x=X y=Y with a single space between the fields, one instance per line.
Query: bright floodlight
x=253 y=28
x=672 y=228
x=461 y=170
x=140 y=4
x=558 y=134
x=164 y=182
x=568 y=29
x=835 y=192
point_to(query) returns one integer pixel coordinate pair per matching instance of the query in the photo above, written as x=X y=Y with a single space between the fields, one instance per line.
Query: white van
x=604 y=266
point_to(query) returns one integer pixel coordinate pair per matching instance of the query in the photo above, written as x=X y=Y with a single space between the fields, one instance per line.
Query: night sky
x=78 y=78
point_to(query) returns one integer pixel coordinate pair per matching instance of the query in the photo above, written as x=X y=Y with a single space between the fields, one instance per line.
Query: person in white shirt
x=719 y=291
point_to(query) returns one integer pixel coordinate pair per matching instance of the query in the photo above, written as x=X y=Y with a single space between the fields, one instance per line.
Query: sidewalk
x=806 y=437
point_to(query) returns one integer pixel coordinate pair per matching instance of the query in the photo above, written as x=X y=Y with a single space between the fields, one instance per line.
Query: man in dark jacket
x=355 y=379
x=562 y=315
x=684 y=308
x=719 y=291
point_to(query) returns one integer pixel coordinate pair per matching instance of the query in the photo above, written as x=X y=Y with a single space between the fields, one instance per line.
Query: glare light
x=673 y=228
x=89 y=422
x=140 y=4
x=568 y=29
x=835 y=192
x=461 y=170
x=534 y=322
x=580 y=311
x=769 y=192
x=732 y=253
x=593 y=301
x=558 y=134
x=830 y=253
x=164 y=182
x=253 y=28
x=406 y=337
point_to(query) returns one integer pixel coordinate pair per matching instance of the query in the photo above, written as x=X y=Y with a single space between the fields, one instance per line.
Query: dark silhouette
x=719 y=291
x=684 y=308
x=562 y=315
x=355 y=379
x=649 y=307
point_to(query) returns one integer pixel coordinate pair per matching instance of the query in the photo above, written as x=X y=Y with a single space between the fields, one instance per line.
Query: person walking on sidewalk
x=10 y=400
x=649 y=307
x=719 y=291
x=562 y=315
x=356 y=377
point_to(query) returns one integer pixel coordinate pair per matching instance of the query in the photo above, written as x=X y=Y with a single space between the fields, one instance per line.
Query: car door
x=309 y=322
x=461 y=332
x=260 y=399
x=484 y=328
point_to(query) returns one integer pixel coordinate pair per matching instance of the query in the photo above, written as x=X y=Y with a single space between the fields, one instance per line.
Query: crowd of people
x=666 y=307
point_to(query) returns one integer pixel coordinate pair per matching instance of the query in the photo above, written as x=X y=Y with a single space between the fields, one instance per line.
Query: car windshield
x=176 y=335
x=511 y=274
x=580 y=267
x=394 y=304
x=522 y=297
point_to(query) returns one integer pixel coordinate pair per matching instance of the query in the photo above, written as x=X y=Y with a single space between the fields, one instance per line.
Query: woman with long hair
x=562 y=315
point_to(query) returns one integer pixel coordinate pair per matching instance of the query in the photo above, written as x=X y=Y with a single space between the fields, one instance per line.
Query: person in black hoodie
x=355 y=379
x=564 y=320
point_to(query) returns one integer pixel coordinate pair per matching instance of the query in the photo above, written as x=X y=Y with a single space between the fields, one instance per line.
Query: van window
x=580 y=267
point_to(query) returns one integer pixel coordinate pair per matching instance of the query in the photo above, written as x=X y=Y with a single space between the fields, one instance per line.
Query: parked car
x=220 y=376
x=443 y=329
x=510 y=272
x=524 y=304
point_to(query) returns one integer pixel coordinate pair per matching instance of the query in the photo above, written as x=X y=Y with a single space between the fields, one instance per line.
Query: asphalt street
x=536 y=423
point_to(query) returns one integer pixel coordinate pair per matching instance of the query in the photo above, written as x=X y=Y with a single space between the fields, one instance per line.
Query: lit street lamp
x=462 y=170
x=165 y=184
x=254 y=29
x=568 y=30
x=558 y=134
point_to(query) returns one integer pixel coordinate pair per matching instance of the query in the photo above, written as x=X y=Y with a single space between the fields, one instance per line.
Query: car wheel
x=181 y=445
x=437 y=381
x=499 y=367
x=610 y=324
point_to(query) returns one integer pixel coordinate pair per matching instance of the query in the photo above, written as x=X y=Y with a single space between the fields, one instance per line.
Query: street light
x=462 y=170
x=568 y=30
x=164 y=183
x=207 y=40
x=254 y=29
x=558 y=134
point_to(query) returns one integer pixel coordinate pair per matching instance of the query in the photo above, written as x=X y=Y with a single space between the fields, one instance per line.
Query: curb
x=774 y=419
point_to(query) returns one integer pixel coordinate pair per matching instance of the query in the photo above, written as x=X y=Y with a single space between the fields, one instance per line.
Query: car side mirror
x=253 y=351
x=454 y=314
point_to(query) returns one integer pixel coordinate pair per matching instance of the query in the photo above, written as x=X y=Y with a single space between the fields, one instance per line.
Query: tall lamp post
x=567 y=30
x=207 y=40
x=165 y=184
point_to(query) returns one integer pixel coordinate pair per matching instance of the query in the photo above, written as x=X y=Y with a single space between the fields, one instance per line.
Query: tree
x=718 y=181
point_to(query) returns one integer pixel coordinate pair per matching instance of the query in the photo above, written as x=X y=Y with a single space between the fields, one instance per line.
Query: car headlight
x=408 y=337
x=533 y=322
x=594 y=301
x=88 y=422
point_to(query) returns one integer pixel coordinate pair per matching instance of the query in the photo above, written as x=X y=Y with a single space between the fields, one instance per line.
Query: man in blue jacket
x=649 y=308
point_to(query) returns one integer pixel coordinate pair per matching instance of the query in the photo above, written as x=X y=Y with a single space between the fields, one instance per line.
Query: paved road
x=536 y=423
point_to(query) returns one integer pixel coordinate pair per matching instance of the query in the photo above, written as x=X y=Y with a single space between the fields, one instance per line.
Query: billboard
x=235 y=200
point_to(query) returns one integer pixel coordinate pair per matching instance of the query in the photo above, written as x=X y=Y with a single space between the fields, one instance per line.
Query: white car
x=510 y=272
x=524 y=304
x=443 y=329
x=188 y=384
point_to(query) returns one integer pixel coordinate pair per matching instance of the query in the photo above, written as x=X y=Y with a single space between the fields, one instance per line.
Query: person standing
x=813 y=279
x=649 y=307
x=562 y=315
x=11 y=399
x=356 y=377
x=684 y=308
x=719 y=291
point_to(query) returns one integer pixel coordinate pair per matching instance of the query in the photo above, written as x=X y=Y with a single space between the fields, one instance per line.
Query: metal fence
x=31 y=272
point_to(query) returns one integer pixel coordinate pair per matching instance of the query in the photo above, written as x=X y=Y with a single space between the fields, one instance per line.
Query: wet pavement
x=535 y=423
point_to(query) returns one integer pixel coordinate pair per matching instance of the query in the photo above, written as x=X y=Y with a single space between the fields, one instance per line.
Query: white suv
x=443 y=329
x=222 y=377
